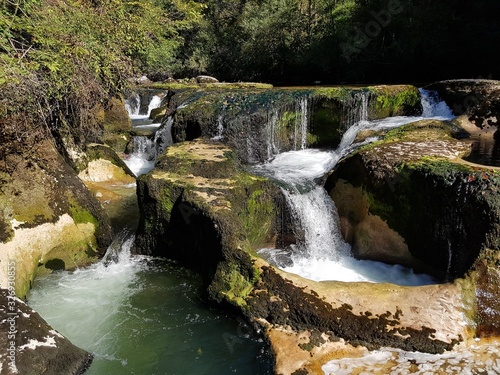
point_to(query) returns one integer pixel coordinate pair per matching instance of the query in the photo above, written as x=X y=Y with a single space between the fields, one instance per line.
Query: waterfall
x=315 y=210
x=285 y=129
x=301 y=123
x=433 y=106
x=220 y=129
x=355 y=110
x=146 y=148
x=273 y=147
x=320 y=252
x=133 y=104
x=153 y=104
x=135 y=108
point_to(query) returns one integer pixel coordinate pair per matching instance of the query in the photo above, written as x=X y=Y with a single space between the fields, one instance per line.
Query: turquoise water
x=146 y=316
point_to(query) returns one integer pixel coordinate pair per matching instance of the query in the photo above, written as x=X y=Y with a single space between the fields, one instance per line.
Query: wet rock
x=49 y=214
x=478 y=100
x=116 y=124
x=446 y=210
x=416 y=182
x=29 y=346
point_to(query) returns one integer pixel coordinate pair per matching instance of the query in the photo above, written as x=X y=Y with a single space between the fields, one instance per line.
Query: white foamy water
x=146 y=149
x=321 y=253
x=91 y=297
x=138 y=164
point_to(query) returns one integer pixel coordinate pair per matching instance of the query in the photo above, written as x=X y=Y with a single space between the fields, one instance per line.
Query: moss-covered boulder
x=258 y=124
x=116 y=125
x=29 y=346
x=104 y=164
x=50 y=220
x=444 y=211
x=199 y=208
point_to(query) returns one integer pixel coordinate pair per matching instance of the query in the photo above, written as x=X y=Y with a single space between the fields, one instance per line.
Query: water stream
x=321 y=253
x=146 y=316
x=147 y=147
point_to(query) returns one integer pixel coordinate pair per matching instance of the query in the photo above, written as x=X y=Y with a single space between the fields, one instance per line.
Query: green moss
x=341 y=93
x=442 y=167
x=378 y=207
x=166 y=199
x=236 y=286
x=258 y=217
x=81 y=215
x=394 y=100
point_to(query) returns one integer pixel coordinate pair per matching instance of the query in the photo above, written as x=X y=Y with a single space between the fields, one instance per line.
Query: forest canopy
x=280 y=41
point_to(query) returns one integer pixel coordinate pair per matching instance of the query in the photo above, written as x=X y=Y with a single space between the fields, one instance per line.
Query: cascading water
x=147 y=148
x=274 y=137
x=301 y=124
x=133 y=106
x=321 y=252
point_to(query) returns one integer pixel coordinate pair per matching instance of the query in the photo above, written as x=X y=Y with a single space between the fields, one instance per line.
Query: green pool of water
x=146 y=316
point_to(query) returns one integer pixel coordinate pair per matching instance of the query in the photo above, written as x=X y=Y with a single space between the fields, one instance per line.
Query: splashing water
x=321 y=252
x=147 y=148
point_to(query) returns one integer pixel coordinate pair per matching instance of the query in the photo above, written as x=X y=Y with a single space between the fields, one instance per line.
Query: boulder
x=477 y=100
x=413 y=191
x=29 y=346
x=49 y=217
x=206 y=79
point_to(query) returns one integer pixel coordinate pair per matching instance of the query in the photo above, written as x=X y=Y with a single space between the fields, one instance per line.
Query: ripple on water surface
x=144 y=316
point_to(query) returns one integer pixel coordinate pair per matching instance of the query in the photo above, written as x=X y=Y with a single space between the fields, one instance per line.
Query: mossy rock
x=200 y=208
x=257 y=124
x=414 y=179
x=44 y=201
x=396 y=100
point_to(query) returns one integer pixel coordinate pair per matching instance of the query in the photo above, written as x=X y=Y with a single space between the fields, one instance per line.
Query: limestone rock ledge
x=258 y=123
x=31 y=347
x=310 y=323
